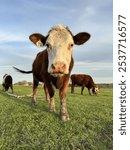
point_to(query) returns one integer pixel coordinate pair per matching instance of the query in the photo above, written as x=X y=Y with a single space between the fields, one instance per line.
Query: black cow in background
x=7 y=82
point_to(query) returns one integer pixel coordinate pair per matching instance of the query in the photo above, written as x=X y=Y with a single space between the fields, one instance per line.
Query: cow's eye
x=70 y=46
x=48 y=45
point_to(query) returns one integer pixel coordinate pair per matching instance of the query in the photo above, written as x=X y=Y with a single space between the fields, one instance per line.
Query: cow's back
x=80 y=79
x=8 y=80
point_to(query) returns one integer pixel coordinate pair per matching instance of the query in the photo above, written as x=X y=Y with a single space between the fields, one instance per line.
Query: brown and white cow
x=83 y=80
x=7 y=82
x=54 y=64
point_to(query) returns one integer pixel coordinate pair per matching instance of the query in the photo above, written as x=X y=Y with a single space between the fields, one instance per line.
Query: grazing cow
x=54 y=64
x=83 y=81
x=7 y=82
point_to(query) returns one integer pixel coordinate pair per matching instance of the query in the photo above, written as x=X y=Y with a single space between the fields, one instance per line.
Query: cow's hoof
x=48 y=101
x=65 y=118
x=53 y=110
x=33 y=103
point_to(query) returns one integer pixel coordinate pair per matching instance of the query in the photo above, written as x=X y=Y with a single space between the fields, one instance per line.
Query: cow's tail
x=22 y=71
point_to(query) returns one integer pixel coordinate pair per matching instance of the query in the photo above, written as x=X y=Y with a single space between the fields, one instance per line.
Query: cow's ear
x=81 y=38
x=38 y=39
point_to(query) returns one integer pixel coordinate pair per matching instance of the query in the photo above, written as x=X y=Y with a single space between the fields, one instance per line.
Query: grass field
x=26 y=127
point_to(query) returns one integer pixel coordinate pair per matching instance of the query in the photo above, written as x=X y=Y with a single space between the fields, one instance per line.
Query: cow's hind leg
x=46 y=94
x=82 y=88
x=35 y=85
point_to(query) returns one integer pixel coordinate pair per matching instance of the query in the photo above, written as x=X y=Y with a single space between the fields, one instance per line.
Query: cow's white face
x=59 y=42
x=96 y=90
x=59 y=47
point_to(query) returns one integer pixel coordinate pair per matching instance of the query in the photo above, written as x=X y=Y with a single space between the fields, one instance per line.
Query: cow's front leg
x=52 y=104
x=63 y=110
x=12 y=89
x=89 y=91
x=3 y=87
x=51 y=95
x=63 y=107
x=72 y=88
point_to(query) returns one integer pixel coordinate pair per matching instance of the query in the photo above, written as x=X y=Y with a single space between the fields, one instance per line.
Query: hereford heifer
x=54 y=64
x=83 y=81
x=7 y=82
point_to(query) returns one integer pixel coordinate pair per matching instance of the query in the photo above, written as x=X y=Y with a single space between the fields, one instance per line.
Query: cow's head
x=6 y=87
x=59 y=43
x=95 y=90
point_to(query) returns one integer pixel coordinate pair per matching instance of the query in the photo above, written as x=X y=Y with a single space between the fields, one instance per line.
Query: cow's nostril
x=58 y=67
x=63 y=66
x=53 y=66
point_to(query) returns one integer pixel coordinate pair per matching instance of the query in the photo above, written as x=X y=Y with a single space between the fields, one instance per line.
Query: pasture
x=26 y=127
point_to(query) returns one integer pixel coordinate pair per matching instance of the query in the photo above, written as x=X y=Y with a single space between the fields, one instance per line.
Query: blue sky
x=21 y=18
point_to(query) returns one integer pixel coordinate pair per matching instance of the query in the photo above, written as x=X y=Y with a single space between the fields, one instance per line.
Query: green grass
x=26 y=127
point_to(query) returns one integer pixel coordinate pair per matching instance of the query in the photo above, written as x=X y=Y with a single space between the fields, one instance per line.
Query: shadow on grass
x=85 y=94
x=27 y=101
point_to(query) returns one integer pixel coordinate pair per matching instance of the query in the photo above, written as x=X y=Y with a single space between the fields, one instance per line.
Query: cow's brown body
x=83 y=80
x=53 y=65
x=40 y=73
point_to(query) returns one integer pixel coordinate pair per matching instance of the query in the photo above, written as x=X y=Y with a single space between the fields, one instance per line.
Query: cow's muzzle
x=58 y=68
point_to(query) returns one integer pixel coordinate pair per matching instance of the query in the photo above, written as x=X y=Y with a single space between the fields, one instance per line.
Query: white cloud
x=101 y=72
x=6 y=36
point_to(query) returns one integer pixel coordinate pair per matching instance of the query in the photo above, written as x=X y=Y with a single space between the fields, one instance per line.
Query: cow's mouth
x=57 y=74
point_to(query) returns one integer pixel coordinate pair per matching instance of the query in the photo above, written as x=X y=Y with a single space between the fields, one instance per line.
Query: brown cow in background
x=83 y=80
x=54 y=64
